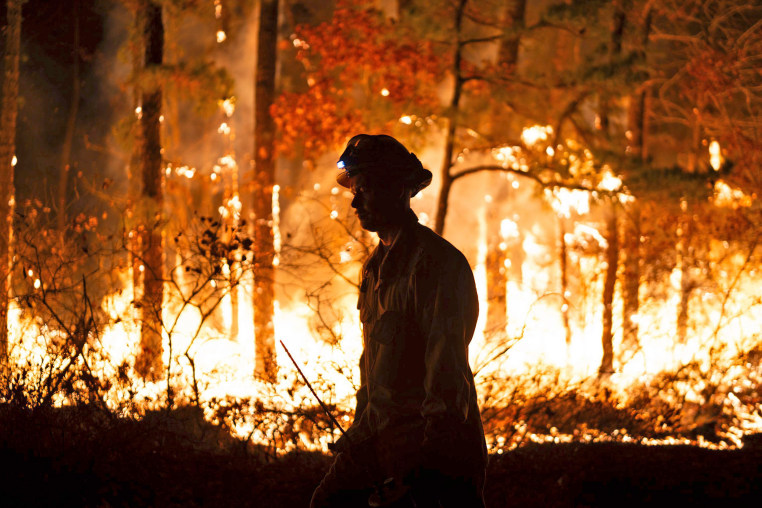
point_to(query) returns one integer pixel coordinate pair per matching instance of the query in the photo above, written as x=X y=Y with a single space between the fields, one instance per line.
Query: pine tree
x=149 y=361
x=8 y=114
x=264 y=180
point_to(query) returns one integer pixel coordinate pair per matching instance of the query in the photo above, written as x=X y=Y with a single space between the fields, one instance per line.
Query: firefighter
x=417 y=436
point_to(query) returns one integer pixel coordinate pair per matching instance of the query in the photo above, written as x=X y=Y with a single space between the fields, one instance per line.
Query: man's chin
x=368 y=225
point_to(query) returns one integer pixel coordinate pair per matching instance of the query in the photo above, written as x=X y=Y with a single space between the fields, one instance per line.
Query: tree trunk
x=631 y=278
x=564 y=258
x=264 y=179
x=612 y=257
x=508 y=53
x=612 y=252
x=638 y=112
x=615 y=49
x=497 y=281
x=687 y=284
x=71 y=122
x=638 y=149
x=149 y=361
x=134 y=239
x=497 y=271
x=447 y=160
x=8 y=113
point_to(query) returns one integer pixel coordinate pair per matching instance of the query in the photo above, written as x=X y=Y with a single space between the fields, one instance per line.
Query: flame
x=532 y=135
x=276 y=224
x=508 y=156
x=715 y=155
x=609 y=181
x=726 y=196
x=565 y=201
x=534 y=315
x=231 y=208
x=228 y=106
x=534 y=319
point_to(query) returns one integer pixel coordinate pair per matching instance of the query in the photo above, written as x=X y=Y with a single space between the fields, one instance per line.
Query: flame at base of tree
x=533 y=385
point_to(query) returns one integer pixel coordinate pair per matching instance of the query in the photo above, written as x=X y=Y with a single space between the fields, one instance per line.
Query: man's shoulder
x=436 y=250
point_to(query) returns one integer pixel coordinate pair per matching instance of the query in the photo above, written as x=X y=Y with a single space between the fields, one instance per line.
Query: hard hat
x=382 y=156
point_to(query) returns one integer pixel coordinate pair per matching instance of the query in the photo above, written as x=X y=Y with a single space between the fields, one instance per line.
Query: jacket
x=418 y=306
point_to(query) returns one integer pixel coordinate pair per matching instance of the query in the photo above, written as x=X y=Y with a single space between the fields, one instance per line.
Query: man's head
x=383 y=175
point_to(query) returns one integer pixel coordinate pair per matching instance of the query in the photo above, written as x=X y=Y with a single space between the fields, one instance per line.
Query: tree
x=149 y=362
x=71 y=122
x=498 y=261
x=364 y=72
x=637 y=148
x=8 y=113
x=622 y=96
x=612 y=226
x=264 y=180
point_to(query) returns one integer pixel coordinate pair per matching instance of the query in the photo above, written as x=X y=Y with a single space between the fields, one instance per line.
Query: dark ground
x=65 y=459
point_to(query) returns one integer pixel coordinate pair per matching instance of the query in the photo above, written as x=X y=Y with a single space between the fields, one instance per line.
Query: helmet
x=382 y=156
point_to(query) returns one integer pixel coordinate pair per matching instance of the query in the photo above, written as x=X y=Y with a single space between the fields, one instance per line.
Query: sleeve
x=447 y=308
x=362 y=392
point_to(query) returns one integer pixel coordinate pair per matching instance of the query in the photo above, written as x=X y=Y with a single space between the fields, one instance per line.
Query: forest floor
x=67 y=458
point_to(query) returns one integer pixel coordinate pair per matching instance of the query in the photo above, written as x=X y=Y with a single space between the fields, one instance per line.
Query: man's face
x=377 y=206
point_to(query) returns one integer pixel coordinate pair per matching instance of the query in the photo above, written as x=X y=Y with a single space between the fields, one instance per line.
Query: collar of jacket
x=397 y=255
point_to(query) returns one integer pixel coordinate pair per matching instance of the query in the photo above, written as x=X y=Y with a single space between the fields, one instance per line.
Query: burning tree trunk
x=564 y=258
x=508 y=53
x=133 y=168
x=638 y=127
x=612 y=251
x=612 y=257
x=497 y=271
x=12 y=50
x=447 y=160
x=631 y=278
x=497 y=282
x=685 y=267
x=264 y=179
x=149 y=362
x=71 y=122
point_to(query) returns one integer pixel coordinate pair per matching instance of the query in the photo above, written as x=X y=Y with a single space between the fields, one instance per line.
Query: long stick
x=386 y=492
x=335 y=422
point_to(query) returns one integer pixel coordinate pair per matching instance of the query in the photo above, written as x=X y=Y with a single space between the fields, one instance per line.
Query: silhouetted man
x=417 y=436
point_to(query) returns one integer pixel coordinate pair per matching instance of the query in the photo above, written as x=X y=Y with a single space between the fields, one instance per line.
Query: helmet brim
x=416 y=181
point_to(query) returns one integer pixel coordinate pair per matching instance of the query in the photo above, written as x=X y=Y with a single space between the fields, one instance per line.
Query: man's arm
x=447 y=308
x=362 y=392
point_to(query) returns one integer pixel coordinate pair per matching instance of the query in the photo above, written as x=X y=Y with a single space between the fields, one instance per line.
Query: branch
x=480 y=40
x=732 y=286
x=531 y=176
x=567 y=112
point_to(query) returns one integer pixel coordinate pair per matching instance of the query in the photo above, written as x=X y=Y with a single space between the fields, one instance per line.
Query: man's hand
x=444 y=448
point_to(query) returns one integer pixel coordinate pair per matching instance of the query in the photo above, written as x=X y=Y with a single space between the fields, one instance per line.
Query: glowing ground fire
x=531 y=338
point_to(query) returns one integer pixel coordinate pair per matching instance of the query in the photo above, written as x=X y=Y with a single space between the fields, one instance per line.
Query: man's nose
x=356 y=201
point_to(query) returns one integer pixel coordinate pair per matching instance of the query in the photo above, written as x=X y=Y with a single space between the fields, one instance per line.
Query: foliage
x=363 y=73
x=75 y=296
x=715 y=401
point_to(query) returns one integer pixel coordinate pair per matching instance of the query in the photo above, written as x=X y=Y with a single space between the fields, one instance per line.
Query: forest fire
x=208 y=361
x=607 y=201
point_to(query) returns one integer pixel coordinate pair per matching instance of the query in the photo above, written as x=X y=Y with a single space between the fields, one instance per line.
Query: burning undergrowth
x=76 y=336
